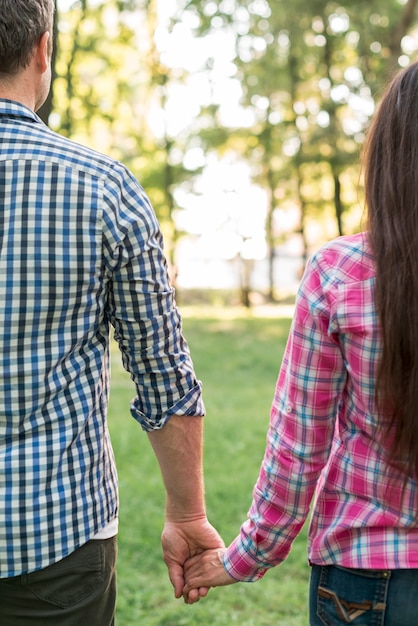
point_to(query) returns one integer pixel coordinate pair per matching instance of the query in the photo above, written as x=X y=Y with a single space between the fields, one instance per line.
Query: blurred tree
x=168 y=147
x=399 y=28
x=112 y=91
x=309 y=72
x=305 y=77
x=46 y=109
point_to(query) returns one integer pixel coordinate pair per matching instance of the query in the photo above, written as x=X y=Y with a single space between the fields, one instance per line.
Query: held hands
x=182 y=540
x=202 y=571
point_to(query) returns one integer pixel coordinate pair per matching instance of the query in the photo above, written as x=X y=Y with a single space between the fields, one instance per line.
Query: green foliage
x=291 y=60
x=237 y=356
x=309 y=74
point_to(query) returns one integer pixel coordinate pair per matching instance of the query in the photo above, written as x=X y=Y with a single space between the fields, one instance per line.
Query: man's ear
x=42 y=52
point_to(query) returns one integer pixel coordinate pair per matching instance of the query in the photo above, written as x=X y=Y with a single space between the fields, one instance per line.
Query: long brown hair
x=391 y=193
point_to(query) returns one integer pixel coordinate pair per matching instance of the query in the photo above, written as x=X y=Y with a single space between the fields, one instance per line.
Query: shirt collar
x=11 y=108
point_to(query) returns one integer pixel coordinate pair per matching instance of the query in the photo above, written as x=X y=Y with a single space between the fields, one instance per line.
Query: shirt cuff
x=189 y=405
x=240 y=564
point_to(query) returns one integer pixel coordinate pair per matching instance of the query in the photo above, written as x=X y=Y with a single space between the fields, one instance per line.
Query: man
x=80 y=250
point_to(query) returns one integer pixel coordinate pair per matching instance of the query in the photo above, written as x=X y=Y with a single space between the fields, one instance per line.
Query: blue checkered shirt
x=80 y=252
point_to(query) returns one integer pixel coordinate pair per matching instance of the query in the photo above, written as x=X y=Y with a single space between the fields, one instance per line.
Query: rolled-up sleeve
x=143 y=310
x=309 y=387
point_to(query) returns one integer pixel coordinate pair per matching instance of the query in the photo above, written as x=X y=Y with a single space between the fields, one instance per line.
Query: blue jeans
x=340 y=595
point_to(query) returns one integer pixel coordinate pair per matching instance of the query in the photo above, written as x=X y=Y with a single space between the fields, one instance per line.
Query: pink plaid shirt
x=322 y=443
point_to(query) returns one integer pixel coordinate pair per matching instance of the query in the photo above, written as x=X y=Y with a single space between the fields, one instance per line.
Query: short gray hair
x=22 y=24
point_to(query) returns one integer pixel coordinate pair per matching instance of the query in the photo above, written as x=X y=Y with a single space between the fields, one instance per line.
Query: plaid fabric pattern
x=80 y=251
x=323 y=447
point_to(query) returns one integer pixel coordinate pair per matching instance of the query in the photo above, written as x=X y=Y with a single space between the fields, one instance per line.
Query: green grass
x=237 y=356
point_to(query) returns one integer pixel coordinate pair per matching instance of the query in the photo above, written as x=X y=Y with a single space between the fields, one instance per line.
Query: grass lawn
x=237 y=355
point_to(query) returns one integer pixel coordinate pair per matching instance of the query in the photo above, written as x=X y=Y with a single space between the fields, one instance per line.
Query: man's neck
x=18 y=91
x=30 y=85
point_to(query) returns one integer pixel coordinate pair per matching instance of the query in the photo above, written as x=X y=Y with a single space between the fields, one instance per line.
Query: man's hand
x=203 y=571
x=182 y=540
x=178 y=447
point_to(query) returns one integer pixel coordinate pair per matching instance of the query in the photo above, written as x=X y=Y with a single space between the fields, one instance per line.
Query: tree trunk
x=270 y=234
x=46 y=109
x=302 y=208
x=338 y=204
x=246 y=265
x=397 y=33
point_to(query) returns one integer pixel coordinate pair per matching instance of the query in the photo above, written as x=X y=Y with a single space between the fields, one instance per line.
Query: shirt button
x=289 y=408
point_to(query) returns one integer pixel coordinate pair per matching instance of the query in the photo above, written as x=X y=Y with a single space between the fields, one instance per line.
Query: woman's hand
x=203 y=571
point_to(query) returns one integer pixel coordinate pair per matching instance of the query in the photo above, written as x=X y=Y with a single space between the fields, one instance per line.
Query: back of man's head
x=22 y=24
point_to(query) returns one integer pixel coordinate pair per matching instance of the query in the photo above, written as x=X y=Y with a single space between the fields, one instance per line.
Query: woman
x=344 y=420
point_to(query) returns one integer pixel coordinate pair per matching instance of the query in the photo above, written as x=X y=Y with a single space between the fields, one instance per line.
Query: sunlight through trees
x=184 y=92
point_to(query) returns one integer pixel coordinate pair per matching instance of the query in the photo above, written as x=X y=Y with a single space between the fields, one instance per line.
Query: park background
x=244 y=121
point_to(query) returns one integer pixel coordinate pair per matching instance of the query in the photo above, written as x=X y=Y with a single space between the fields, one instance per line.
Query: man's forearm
x=178 y=447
